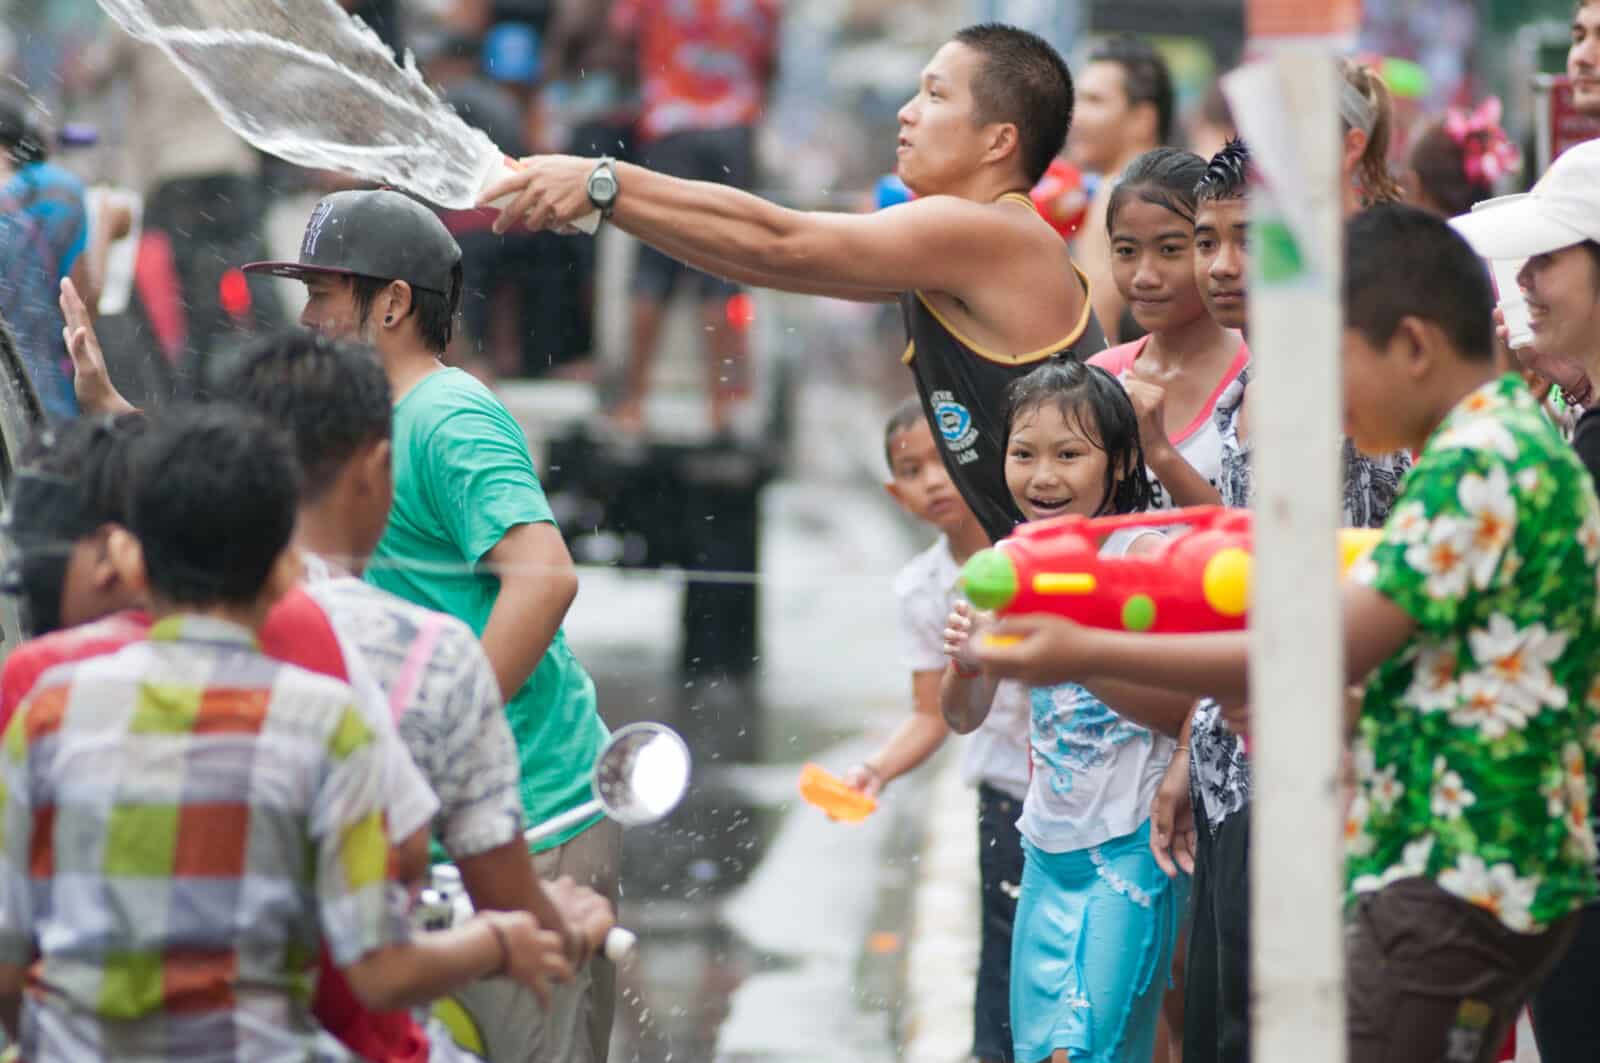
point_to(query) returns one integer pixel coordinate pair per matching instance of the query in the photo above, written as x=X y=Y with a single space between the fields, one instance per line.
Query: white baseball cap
x=1563 y=209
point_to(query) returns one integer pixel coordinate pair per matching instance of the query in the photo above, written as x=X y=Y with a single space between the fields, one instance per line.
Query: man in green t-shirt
x=471 y=534
x=1472 y=626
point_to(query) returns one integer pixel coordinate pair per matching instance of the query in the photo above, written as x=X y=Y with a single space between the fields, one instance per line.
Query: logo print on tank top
x=955 y=426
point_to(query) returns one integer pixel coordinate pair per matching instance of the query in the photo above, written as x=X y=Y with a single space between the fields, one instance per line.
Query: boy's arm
x=538 y=582
x=941 y=243
x=1056 y=650
x=914 y=741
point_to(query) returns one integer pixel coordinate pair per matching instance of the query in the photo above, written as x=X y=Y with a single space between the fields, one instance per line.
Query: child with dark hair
x=1187 y=360
x=1202 y=818
x=333 y=400
x=1474 y=632
x=1097 y=921
x=995 y=757
x=208 y=815
x=68 y=493
x=1457 y=159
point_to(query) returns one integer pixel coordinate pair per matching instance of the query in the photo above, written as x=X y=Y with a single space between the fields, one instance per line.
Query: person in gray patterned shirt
x=334 y=401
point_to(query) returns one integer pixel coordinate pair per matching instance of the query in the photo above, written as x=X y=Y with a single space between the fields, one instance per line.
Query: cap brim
x=295 y=270
x=1517 y=229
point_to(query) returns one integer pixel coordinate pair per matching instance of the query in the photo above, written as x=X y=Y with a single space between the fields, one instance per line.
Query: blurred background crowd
x=726 y=439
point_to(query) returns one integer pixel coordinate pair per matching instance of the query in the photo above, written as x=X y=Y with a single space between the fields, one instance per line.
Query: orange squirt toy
x=829 y=793
x=1197 y=580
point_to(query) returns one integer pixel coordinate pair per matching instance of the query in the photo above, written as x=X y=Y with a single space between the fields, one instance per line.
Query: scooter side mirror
x=642 y=774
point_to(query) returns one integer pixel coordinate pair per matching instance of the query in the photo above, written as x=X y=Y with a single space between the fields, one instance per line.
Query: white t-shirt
x=1094 y=772
x=997 y=752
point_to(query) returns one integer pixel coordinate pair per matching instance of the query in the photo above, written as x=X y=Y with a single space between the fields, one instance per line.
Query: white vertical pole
x=1297 y=873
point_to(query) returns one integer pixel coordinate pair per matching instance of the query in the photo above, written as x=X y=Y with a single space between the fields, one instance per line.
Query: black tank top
x=963 y=391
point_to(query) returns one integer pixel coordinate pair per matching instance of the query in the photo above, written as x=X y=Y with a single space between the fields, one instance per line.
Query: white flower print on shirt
x=1387 y=789
x=1413 y=862
x=1356 y=839
x=1450 y=795
x=1491 y=513
x=1433 y=681
x=1481 y=433
x=1497 y=888
x=1409 y=524
x=1444 y=558
x=1484 y=705
x=1520 y=660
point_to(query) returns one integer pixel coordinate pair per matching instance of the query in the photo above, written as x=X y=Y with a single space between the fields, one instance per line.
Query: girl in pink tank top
x=1177 y=372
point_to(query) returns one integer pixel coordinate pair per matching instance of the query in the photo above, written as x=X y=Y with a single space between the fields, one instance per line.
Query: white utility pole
x=1286 y=105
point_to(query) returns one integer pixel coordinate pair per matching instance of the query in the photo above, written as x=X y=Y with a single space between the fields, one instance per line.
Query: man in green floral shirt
x=1473 y=625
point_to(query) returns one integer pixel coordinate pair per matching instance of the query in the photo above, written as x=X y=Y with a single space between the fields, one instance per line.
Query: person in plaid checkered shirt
x=182 y=822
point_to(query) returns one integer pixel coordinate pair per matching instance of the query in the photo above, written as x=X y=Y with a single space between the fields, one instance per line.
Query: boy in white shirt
x=996 y=756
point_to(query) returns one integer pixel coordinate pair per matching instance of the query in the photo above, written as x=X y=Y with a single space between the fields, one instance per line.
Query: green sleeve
x=480 y=481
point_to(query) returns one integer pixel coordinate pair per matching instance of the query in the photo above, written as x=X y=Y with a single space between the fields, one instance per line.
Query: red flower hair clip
x=1487 y=154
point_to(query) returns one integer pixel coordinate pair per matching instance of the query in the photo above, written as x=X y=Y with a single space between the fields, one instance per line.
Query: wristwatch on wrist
x=603 y=187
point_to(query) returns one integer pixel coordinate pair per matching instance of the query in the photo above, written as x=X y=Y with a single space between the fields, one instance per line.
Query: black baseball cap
x=380 y=234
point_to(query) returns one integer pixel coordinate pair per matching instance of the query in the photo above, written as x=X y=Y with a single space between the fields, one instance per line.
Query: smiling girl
x=1175 y=374
x=1097 y=920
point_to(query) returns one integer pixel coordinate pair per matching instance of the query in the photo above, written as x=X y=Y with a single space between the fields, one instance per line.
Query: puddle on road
x=675 y=875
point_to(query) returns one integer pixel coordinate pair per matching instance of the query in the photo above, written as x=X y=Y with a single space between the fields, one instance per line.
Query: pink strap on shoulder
x=416 y=664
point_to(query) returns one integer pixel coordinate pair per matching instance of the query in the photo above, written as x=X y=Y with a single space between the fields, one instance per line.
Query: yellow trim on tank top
x=1015 y=359
x=911 y=352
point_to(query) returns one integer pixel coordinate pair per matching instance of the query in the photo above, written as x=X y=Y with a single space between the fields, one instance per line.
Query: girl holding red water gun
x=1097 y=921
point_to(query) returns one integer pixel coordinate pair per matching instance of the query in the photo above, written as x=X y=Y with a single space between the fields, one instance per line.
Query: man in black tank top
x=987 y=286
x=963 y=390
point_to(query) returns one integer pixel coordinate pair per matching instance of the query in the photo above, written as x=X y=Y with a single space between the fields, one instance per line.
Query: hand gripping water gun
x=1197 y=580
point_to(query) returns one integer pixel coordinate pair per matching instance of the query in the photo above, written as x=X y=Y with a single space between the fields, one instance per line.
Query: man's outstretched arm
x=941 y=243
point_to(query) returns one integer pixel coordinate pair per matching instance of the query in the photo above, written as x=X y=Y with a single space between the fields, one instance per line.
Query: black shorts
x=724 y=156
x=1000 y=870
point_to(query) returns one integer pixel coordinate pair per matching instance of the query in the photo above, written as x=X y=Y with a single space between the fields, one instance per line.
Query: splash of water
x=310 y=84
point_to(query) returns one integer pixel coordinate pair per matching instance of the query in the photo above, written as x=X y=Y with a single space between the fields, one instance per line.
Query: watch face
x=602 y=186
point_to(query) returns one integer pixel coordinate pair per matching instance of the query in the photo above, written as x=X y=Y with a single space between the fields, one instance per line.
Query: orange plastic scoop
x=829 y=793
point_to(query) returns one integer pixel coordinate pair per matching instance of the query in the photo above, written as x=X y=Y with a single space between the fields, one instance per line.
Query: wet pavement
x=769 y=933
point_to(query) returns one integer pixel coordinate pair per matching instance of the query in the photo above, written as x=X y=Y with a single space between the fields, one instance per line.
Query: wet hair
x=332 y=399
x=1165 y=176
x=905 y=416
x=1024 y=81
x=435 y=311
x=1377 y=183
x=212 y=503
x=1093 y=399
x=1402 y=261
x=1145 y=77
x=71 y=482
x=1441 y=168
x=1227 y=175
x=24 y=129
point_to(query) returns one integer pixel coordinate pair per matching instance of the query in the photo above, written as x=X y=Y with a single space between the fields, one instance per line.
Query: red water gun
x=1196 y=580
